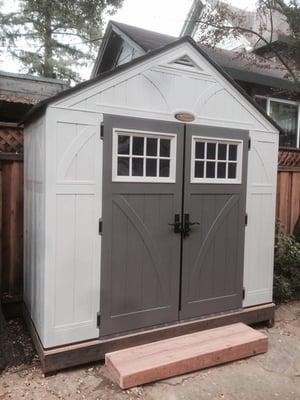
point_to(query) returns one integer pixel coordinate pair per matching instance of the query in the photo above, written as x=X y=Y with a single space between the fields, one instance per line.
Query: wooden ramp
x=179 y=355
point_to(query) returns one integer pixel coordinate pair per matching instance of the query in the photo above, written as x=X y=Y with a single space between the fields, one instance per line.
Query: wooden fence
x=11 y=198
x=288 y=188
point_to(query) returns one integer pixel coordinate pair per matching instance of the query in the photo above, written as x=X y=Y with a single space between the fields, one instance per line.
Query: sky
x=165 y=16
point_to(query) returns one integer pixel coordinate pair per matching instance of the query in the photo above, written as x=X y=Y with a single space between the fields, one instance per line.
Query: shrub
x=296 y=232
x=286 y=267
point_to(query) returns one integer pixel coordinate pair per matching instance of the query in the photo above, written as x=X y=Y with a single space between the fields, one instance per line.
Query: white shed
x=149 y=207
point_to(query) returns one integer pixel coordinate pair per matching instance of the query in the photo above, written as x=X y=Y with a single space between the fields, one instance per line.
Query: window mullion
x=227 y=157
x=144 y=160
x=216 y=160
x=205 y=158
x=268 y=105
x=158 y=157
x=130 y=155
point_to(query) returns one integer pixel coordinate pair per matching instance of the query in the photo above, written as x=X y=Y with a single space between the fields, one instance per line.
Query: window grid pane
x=215 y=160
x=143 y=156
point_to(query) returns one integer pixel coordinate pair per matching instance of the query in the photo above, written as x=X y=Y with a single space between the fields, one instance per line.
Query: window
x=216 y=160
x=286 y=114
x=262 y=102
x=143 y=156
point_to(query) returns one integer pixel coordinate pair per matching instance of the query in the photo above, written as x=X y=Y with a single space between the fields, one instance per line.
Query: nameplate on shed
x=185 y=117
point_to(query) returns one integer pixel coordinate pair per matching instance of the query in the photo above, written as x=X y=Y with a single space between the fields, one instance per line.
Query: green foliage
x=286 y=268
x=296 y=231
x=53 y=38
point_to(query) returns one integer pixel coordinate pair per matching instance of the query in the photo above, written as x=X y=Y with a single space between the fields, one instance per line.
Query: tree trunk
x=48 y=66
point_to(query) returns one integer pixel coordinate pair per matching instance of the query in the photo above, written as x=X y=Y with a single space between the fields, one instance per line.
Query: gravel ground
x=275 y=375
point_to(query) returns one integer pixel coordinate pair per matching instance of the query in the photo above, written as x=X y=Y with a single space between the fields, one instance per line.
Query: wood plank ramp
x=179 y=355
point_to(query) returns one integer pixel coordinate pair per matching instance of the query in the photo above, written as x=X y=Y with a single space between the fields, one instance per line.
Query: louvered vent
x=185 y=61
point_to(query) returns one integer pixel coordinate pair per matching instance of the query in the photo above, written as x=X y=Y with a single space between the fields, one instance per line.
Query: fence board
x=12 y=229
x=288 y=198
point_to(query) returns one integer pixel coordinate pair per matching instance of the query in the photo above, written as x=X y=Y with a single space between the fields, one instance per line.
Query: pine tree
x=54 y=37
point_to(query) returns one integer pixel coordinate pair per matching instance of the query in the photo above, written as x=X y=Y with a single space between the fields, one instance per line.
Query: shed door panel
x=141 y=254
x=214 y=198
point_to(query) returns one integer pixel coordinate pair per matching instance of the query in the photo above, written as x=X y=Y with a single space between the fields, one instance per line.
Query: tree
x=54 y=37
x=222 y=20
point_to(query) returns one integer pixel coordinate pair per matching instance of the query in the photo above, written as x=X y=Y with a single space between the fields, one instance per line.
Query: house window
x=143 y=156
x=216 y=160
x=262 y=102
x=286 y=114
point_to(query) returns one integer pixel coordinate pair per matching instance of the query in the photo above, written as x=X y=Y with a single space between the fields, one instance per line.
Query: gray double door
x=172 y=251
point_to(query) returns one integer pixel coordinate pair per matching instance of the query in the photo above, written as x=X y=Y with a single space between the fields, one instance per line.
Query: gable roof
x=246 y=67
x=147 y=40
x=40 y=107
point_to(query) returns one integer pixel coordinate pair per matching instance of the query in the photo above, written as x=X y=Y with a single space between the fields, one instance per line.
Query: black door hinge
x=243 y=293
x=98 y=319
x=101 y=131
x=100 y=226
x=249 y=144
x=246 y=219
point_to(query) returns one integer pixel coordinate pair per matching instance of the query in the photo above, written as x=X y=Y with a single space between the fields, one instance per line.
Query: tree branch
x=251 y=31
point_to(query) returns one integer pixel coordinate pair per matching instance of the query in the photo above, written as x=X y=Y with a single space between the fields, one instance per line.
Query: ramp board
x=159 y=360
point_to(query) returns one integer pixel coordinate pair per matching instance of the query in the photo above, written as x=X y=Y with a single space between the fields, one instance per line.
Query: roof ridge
x=113 y=22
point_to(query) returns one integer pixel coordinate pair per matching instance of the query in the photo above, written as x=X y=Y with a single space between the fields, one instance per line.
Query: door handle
x=187 y=225
x=176 y=224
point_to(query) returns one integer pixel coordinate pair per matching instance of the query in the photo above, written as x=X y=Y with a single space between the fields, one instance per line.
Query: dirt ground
x=275 y=375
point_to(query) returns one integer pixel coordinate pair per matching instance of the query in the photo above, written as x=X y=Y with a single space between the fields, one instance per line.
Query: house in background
x=19 y=92
x=280 y=102
x=262 y=79
x=278 y=32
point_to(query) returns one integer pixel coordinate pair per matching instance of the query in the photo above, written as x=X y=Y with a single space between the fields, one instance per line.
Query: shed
x=149 y=206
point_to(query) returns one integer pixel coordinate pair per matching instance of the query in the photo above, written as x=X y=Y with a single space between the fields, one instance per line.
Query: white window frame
x=239 y=161
x=145 y=134
x=278 y=100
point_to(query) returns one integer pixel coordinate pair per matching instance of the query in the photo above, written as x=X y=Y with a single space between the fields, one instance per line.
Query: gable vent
x=185 y=61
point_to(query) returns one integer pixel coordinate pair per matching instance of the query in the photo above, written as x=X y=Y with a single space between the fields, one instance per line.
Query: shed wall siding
x=74 y=171
x=261 y=205
x=34 y=223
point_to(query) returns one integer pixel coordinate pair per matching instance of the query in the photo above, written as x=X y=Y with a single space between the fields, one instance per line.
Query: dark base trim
x=59 y=358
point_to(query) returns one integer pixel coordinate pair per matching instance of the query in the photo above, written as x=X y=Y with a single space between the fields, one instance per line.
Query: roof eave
x=262 y=79
x=101 y=50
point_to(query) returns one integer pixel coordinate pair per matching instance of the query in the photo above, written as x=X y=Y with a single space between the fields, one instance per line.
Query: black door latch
x=176 y=224
x=187 y=225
